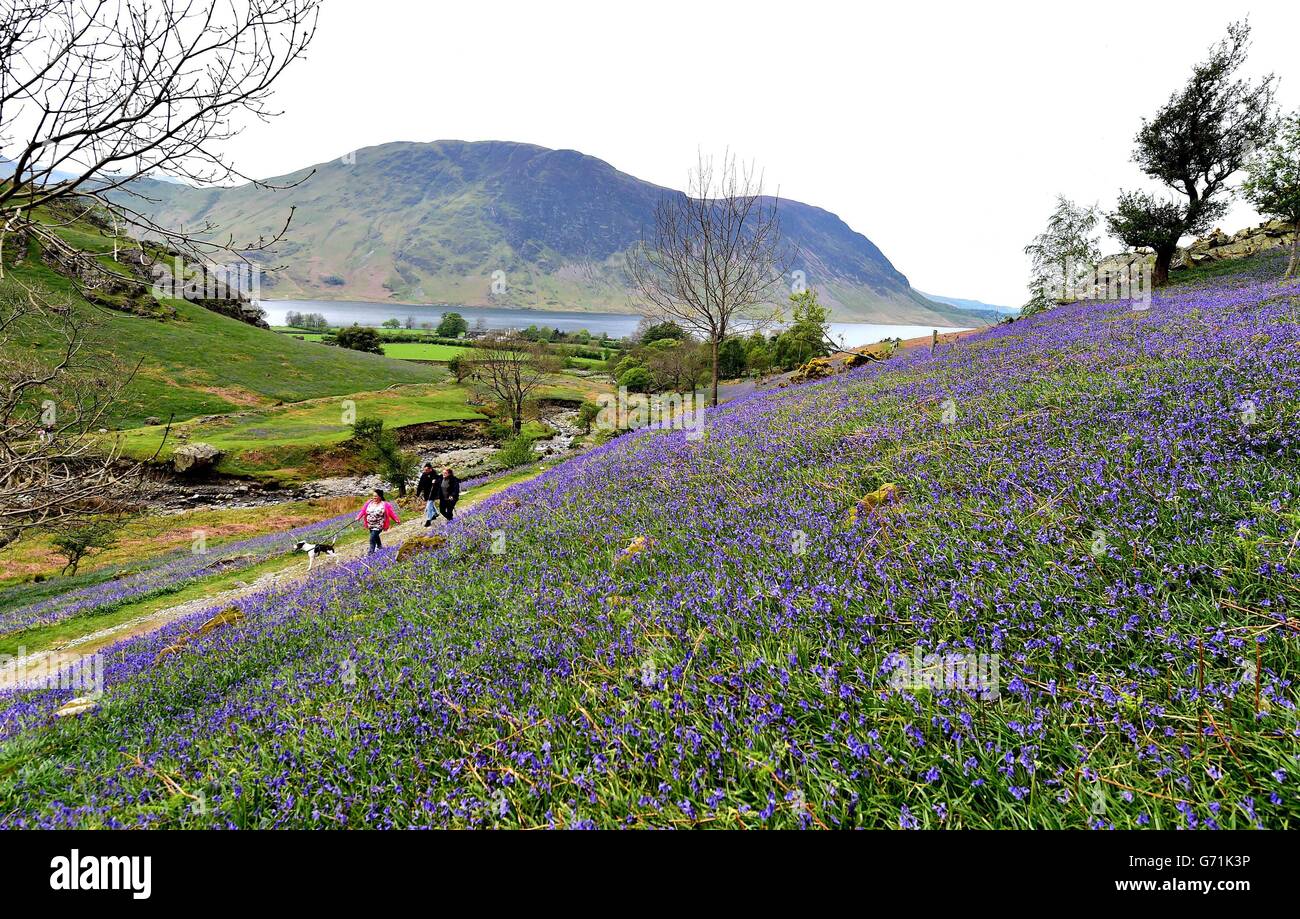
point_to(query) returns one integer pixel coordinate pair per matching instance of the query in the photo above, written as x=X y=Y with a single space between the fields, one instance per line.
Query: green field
x=419 y=351
x=283 y=443
x=275 y=441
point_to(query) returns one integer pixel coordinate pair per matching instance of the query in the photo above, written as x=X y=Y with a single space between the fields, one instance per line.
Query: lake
x=616 y=325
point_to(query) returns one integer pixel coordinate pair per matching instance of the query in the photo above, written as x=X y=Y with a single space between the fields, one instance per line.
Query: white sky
x=941 y=130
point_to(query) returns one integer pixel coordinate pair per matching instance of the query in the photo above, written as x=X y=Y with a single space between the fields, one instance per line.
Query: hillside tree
x=1062 y=255
x=76 y=540
x=713 y=256
x=511 y=370
x=1273 y=181
x=1196 y=142
x=358 y=338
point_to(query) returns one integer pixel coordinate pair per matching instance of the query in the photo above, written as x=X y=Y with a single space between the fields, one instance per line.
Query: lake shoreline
x=615 y=325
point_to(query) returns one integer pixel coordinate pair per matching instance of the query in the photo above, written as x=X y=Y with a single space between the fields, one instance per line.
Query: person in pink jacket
x=377 y=515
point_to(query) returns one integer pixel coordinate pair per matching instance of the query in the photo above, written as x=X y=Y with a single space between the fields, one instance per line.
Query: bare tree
x=714 y=255
x=511 y=370
x=54 y=462
x=95 y=95
x=676 y=366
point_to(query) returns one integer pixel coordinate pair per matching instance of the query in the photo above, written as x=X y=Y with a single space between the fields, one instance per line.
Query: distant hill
x=432 y=222
x=978 y=307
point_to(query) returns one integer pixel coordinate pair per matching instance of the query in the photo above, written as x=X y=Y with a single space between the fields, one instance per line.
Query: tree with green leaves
x=1273 y=181
x=731 y=359
x=76 y=539
x=359 y=338
x=1197 y=141
x=758 y=355
x=649 y=331
x=379 y=447
x=1062 y=255
x=453 y=325
x=588 y=412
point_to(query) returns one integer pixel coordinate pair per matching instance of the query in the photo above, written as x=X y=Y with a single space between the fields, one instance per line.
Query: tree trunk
x=1295 y=251
x=1160 y=275
x=713 y=348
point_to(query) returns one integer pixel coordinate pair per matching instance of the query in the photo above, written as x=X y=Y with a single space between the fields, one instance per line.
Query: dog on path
x=314 y=549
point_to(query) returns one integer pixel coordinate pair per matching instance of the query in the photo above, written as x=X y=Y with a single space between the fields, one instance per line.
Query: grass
x=1271 y=261
x=276 y=443
x=40 y=638
x=201 y=362
x=419 y=351
x=144 y=537
x=717 y=632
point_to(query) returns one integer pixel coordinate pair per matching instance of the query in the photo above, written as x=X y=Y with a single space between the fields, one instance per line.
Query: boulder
x=418 y=544
x=79 y=706
x=816 y=369
x=885 y=494
x=196 y=457
x=1219 y=246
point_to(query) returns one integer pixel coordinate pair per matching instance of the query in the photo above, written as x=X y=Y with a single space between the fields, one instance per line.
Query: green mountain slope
x=433 y=222
x=200 y=362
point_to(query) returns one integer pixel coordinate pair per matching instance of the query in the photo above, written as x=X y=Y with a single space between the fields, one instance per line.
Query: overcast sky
x=941 y=130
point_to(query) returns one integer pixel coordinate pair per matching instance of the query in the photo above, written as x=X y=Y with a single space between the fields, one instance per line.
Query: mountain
x=432 y=222
x=990 y=311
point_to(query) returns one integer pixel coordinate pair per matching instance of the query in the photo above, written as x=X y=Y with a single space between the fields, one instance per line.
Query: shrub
x=356 y=338
x=517 y=451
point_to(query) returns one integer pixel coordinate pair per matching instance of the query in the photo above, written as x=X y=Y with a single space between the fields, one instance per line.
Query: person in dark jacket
x=448 y=488
x=425 y=489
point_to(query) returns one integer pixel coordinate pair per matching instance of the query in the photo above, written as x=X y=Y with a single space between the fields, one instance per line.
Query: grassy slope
x=721 y=677
x=148 y=536
x=279 y=443
x=205 y=363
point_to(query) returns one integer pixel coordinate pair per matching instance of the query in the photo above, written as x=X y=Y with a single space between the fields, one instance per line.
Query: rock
x=228 y=616
x=418 y=544
x=1219 y=246
x=634 y=548
x=152 y=420
x=884 y=494
x=76 y=706
x=231 y=615
x=816 y=369
x=196 y=457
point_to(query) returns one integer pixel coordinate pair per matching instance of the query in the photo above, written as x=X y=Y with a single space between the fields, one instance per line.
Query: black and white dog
x=314 y=549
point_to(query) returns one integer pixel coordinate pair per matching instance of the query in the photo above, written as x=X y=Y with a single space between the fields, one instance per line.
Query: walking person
x=425 y=489
x=377 y=515
x=448 y=493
